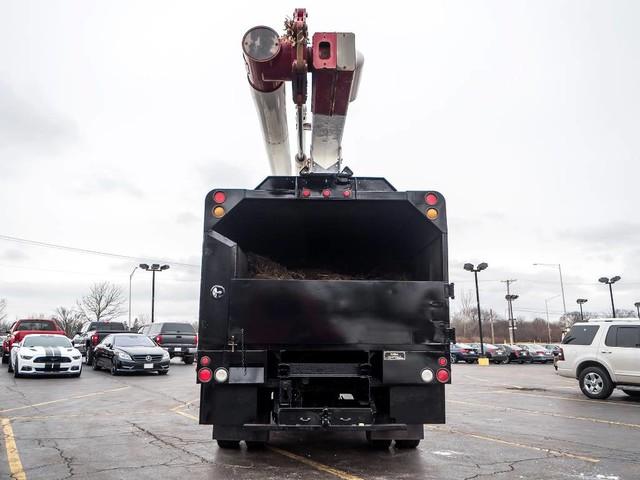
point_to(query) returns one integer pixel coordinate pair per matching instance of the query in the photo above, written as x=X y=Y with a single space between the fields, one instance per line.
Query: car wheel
x=95 y=365
x=5 y=359
x=226 y=444
x=453 y=358
x=16 y=370
x=407 y=443
x=10 y=367
x=595 y=383
x=632 y=393
x=113 y=370
x=188 y=360
x=89 y=357
x=505 y=361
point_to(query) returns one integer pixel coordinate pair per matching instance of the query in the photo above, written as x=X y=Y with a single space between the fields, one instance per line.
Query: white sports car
x=41 y=354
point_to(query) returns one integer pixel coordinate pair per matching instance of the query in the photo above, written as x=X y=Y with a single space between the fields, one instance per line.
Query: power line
x=86 y=251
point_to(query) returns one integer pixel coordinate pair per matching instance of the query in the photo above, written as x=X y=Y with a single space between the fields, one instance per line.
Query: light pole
x=610 y=282
x=153 y=269
x=130 y=277
x=564 y=304
x=546 y=307
x=637 y=305
x=581 y=301
x=470 y=268
x=512 y=329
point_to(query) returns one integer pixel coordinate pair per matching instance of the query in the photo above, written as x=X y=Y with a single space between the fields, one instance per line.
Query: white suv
x=602 y=354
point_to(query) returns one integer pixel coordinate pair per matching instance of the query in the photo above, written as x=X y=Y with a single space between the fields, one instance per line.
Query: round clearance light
x=346 y=193
x=442 y=375
x=205 y=361
x=218 y=211
x=204 y=375
x=432 y=213
x=442 y=361
x=306 y=193
x=431 y=199
x=326 y=193
x=426 y=375
x=220 y=197
x=221 y=375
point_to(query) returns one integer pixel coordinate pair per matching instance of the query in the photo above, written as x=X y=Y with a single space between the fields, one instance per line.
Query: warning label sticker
x=394 y=355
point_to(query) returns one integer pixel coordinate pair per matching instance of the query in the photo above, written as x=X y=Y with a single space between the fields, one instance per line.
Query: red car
x=21 y=328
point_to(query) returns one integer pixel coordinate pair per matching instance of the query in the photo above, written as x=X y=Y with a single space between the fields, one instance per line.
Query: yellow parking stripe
x=311 y=463
x=15 y=465
x=550 y=414
x=41 y=404
x=515 y=444
x=317 y=465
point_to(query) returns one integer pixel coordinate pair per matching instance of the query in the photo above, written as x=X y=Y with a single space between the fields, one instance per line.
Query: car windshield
x=52 y=341
x=132 y=341
x=177 y=328
x=36 y=325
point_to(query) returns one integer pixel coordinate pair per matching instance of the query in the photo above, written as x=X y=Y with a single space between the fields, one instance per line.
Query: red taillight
x=205 y=361
x=442 y=361
x=326 y=193
x=465 y=350
x=442 y=375
x=158 y=338
x=306 y=193
x=219 y=197
x=561 y=355
x=346 y=193
x=431 y=199
x=94 y=339
x=205 y=375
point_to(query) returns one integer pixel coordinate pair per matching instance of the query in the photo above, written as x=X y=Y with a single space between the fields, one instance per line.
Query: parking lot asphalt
x=503 y=421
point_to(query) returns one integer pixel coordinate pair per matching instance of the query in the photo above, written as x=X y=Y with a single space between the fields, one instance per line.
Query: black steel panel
x=340 y=312
x=407 y=370
x=414 y=404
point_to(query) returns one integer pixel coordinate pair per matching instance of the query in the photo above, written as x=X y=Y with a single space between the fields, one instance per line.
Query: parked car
x=553 y=348
x=24 y=327
x=179 y=339
x=538 y=353
x=518 y=354
x=92 y=333
x=602 y=354
x=495 y=353
x=130 y=352
x=462 y=352
x=40 y=354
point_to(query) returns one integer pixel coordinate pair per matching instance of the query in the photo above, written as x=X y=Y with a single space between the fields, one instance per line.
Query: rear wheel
x=188 y=359
x=5 y=358
x=632 y=393
x=16 y=370
x=113 y=370
x=89 y=356
x=95 y=365
x=10 y=367
x=407 y=443
x=227 y=444
x=595 y=383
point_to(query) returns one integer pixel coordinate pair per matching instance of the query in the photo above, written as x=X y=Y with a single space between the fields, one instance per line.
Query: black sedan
x=130 y=352
x=461 y=352
x=518 y=354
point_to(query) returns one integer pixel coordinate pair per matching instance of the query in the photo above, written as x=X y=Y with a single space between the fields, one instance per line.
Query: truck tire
x=228 y=444
x=595 y=383
x=188 y=359
x=407 y=443
x=632 y=393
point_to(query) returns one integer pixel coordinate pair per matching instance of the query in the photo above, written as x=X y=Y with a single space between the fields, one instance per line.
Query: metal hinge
x=449 y=290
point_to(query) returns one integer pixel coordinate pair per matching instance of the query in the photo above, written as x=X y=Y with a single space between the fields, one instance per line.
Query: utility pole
x=493 y=336
x=509 y=310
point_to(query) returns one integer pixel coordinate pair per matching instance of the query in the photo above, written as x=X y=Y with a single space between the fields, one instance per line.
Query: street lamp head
x=482 y=266
x=615 y=279
x=637 y=304
x=603 y=280
x=580 y=301
x=468 y=267
x=155 y=266
x=164 y=267
x=144 y=266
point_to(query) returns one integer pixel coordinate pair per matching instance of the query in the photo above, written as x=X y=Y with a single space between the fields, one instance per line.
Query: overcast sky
x=116 y=118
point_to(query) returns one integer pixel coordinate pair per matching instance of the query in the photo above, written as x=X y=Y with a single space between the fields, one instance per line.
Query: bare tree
x=104 y=302
x=3 y=315
x=69 y=319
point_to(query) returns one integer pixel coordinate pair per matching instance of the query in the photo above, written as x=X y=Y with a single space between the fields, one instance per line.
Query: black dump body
x=324 y=307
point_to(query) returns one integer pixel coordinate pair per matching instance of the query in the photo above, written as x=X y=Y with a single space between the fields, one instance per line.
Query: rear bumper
x=181 y=351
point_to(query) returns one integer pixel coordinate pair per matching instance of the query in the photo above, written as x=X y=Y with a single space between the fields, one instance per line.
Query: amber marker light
x=432 y=213
x=218 y=211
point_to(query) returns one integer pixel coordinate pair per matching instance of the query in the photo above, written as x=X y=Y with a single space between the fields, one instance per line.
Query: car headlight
x=76 y=357
x=123 y=355
x=26 y=357
x=166 y=356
